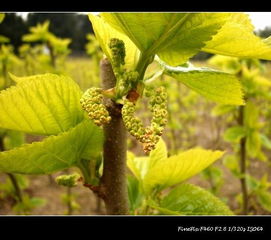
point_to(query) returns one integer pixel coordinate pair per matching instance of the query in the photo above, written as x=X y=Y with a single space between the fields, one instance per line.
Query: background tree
x=14 y=27
x=68 y=25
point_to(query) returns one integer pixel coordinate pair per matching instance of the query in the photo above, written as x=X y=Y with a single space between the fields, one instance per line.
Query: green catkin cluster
x=117 y=48
x=158 y=107
x=133 y=124
x=150 y=135
x=125 y=79
x=68 y=180
x=126 y=82
x=92 y=103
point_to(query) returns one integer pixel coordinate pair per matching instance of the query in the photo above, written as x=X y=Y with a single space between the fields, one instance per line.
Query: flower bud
x=68 y=180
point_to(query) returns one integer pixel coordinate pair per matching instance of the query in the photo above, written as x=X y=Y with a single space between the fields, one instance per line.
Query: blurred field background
x=191 y=121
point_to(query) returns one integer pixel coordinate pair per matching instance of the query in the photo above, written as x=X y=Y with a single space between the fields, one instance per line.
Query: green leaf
x=261 y=156
x=222 y=109
x=268 y=41
x=60 y=45
x=176 y=169
x=175 y=37
x=138 y=165
x=215 y=85
x=236 y=38
x=229 y=64
x=234 y=134
x=188 y=199
x=104 y=32
x=18 y=80
x=27 y=204
x=13 y=139
x=253 y=143
x=7 y=187
x=166 y=211
x=264 y=198
x=264 y=181
x=42 y=104
x=232 y=163
x=4 y=39
x=54 y=153
x=253 y=184
x=251 y=115
x=158 y=154
x=262 y=81
x=214 y=174
x=38 y=33
x=2 y=16
x=38 y=202
x=141 y=165
x=152 y=77
x=134 y=193
x=265 y=141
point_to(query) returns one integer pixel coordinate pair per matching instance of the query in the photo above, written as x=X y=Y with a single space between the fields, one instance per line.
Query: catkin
x=92 y=103
x=150 y=135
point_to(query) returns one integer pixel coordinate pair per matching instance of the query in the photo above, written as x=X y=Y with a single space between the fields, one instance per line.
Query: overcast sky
x=259 y=19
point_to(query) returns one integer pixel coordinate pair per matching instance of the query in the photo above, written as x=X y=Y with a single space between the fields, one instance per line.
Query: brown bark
x=113 y=181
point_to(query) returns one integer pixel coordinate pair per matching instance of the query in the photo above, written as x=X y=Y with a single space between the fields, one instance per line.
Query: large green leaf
x=138 y=165
x=104 y=32
x=215 y=85
x=158 y=154
x=42 y=104
x=55 y=152
x=236 y=38
x=175 y=37
x=141 y=165
x=188 y=199
x=175 y=169
x=18 y=80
